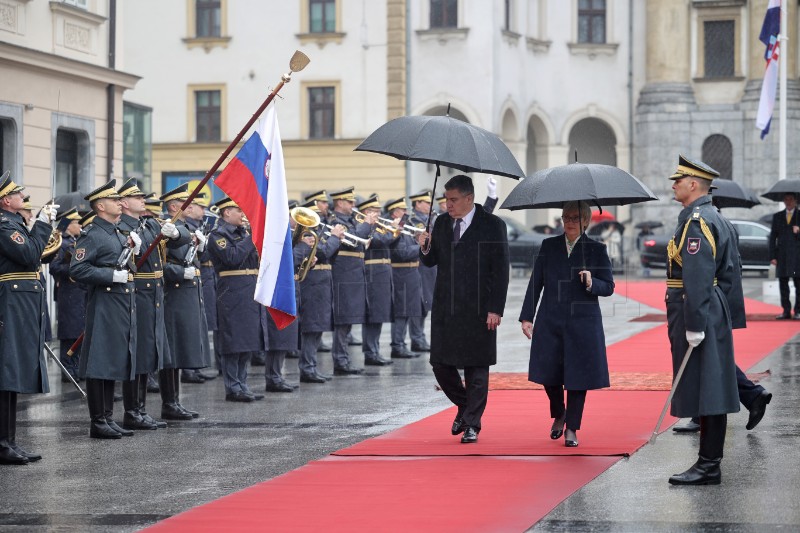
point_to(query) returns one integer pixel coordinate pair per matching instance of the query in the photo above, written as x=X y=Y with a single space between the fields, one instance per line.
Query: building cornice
x=65 y=66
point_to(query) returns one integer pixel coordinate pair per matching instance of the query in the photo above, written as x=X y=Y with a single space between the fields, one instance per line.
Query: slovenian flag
x=769 y=36
x=256 y=180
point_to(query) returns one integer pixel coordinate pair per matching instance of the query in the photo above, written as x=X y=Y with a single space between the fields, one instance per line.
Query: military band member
x=379 y=285
x=406 y=281
x=700 y=256
x=241 y=320
x=421 y=202
x=108 y=351
x=184 y=313
x=316 y=300
x=70 y=295
x=22 y=304
x=349 y=280
x=27 y=214
x=320 y=200
x=441 y=201
x=153 y=208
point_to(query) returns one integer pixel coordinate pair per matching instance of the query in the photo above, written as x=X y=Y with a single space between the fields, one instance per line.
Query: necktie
x=457 y=230
x=789 y=217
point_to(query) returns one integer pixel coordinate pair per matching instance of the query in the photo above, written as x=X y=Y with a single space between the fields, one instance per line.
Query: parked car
x=523 y=244
x=753 y=247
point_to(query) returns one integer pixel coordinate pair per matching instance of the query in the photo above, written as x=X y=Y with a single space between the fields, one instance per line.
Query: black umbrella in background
x=782 y=187
x=649 y=224
x=69 y=200
x=727 y=193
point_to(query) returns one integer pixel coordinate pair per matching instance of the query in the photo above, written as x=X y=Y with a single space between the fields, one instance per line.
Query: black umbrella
x=69 y=200
x=593 y=183
x=727 y=193
x=649 y=224
x=777 y=191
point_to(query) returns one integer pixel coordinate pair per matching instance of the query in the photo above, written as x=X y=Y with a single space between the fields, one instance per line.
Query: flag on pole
x=769 y=36
x=256 y=180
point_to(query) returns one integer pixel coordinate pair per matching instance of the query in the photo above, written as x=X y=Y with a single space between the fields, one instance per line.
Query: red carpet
x=465 y=494
x=518 y=423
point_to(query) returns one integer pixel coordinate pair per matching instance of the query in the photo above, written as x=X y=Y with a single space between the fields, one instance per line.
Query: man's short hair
x=461 y=183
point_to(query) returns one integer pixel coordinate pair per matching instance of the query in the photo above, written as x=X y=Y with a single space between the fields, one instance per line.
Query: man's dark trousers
x=471 y=401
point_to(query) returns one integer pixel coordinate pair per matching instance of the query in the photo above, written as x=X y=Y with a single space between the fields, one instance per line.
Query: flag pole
x=297 y=63
x=783 y=66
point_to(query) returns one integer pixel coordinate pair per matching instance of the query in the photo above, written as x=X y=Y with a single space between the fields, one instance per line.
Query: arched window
x=718 y=154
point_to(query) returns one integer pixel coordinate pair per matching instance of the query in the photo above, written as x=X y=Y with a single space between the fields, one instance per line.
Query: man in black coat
x=467 y=244
x=784 y=253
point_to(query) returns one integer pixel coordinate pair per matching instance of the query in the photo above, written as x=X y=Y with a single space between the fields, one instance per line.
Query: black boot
x=8 y=455
x=108 y=408
x=706 y=470
x=176 y=377
x=12 y=430
x=143 y=383
x=95 y=397
x=169 y=408
x=132 y=419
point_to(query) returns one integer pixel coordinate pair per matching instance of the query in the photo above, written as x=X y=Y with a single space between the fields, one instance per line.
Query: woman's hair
x=582 y=208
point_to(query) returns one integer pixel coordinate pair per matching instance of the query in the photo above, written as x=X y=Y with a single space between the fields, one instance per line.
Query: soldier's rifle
x=671 y=393
x=64 y=370
x=191 y=253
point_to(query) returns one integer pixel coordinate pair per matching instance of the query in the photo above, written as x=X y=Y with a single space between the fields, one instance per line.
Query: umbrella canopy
x=601 y=216
x=443 y=141
x=649 y=224
x=727 y=193
x=596 y=184
x=72 y=199
x=777 y=191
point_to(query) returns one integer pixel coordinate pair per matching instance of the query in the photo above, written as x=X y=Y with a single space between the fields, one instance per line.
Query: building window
x=718 y=40
x=66 y=162
x=321 y=112
x=208 y=18
x=444 y=14
x=137 y=143
x=83 y=4
x=322 y=16
x=208 y=114
x=718 y=154
x=592 y=21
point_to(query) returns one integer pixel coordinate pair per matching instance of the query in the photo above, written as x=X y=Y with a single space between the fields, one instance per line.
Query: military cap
x=344 y=194
x=202 y=199
x=391 y=205
x=441 y=199
x=422 y=196
x=130 y=188
x=67 y=217
x=694 y=169
x=181 y=192
x=319 y=196
x=372 y=201
x=104 y=191
x=26 y=203
x=225 y=202
x=311 y=204
x=153 y=205
x=7 y=185
x=293 y=204
x=87 y=218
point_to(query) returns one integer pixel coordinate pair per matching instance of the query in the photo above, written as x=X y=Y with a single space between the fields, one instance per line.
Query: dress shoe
x=279 y=387
x=101 y=430
x=758 y=409
x=692 y=426
x=152 y=384
x=134 y=420
x=238 y=396
x=557 y=429
x=171 y=411
x=352 y=341
x=117 y=397
x=347 y=371
x=9 y=456
x=30 y=456
x=470 y=435
x=704 y=472
x=293 y=354
x=256 y=397
x=194 y=414
x=258 y=360
x=312 y=378
x=458 y=425
x=782 y=316
x=402 y=353
x=323 y=347
x=421 y=347
x=191 y=377
x=113 y=425
x=377 y=360
x=160 y=424
x=326 y=377
x=208 y=376
x=570 y=439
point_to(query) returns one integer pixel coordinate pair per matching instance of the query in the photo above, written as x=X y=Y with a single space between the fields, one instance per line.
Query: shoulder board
x=696 y=215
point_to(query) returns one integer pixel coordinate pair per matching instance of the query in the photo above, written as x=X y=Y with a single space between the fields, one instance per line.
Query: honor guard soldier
x=185 y=315
x=70 y=295
x=47 y=257
x=406 y=281
x=349 y=279
x=379 y=284
x=242 y=321
x=152 y=206
x=421 y=203
x=698 y=265
x=441 y=201
x=103 y=261
x=316 y=299
x=22 y=305
x=320 y=199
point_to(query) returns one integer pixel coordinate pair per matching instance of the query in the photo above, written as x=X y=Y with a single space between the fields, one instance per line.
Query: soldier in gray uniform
x=184 y=313
x=22 y=303
x=701 y=259
x=421 y=202
x=406 y=281
x=103 y=261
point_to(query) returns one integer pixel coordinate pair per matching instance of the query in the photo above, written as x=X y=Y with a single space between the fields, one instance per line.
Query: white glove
x=137 y=242
x=48 y=213
x=170 y=231
x=188 y=273
x=491 y=188
x=695 y=337
x=201 y=240
x=120 y=276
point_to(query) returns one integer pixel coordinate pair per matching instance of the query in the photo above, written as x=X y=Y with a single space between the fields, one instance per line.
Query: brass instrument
x=349 y=239
x=384 y=224
x=306 y=219
x=53 y=244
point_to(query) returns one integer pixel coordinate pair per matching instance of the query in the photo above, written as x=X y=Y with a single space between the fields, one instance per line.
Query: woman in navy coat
x=568 y=351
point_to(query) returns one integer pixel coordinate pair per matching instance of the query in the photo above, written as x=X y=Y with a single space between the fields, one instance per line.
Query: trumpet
x=349 y=239
x=385 y=225
x=306 y=219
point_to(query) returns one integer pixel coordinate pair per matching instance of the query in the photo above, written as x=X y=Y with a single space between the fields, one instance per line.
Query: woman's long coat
x=568 y=346
x=471 y=281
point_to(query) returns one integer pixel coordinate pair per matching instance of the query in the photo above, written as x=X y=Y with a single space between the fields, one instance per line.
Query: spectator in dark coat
x=784 y=253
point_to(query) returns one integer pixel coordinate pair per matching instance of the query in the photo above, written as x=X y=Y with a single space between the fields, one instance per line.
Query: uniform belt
x=345 y=253
x=378 y=262
x=321 y=267
x=415 y=264
x=245 y=272
x=207 y=264
x=158 y=274
x=18 y=276
x=678 y=283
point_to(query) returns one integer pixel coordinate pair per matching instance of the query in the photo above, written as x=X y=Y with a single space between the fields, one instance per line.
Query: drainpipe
x=111 y=88
x=408 y=87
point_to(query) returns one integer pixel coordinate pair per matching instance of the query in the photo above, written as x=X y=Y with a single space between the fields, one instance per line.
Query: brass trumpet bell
x=305 y=217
